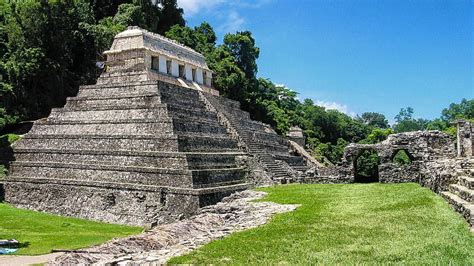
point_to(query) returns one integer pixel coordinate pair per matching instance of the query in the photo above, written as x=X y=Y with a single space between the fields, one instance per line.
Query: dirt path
x=27 y=260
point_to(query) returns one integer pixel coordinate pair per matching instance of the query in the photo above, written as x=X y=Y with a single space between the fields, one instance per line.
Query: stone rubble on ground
x=156 y=246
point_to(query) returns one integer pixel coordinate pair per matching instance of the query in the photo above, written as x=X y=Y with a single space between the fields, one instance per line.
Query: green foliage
x=8 y=139
x=374 y=119
x=377 y=135
x=170 y=15
x=3 y=171
x=242 y=46
x=366 y=168
x=374 y=224
x=44 y=232
x=401 y=158
x=406 y=123
x=464 y=109
x=202 y=38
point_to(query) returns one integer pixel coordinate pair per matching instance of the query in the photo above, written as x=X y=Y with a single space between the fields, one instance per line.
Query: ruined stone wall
x=465 y=138
x=422 y=147
x=126 y=61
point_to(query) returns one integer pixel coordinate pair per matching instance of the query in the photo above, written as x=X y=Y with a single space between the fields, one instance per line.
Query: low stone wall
x=438 y=175
x=393 y=173
x=132 y=206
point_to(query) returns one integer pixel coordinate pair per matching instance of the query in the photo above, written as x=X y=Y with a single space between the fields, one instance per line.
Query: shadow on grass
x=2 y=193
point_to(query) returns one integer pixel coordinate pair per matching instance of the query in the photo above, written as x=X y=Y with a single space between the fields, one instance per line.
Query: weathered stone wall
x=465 y=138
x=421 y=146
x=393 y=173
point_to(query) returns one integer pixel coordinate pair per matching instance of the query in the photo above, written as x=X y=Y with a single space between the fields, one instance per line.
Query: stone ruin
x=151 y=142
x=437 y=161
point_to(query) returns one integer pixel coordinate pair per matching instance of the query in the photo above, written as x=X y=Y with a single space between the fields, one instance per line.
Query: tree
x=202 y=38
x=374 y=119
x=464 y=109
x=106 y=8
x=170 y=15
x=47 y=54
x=229 y=79
x=406 y=123
x=404 y=114
x=242 y=46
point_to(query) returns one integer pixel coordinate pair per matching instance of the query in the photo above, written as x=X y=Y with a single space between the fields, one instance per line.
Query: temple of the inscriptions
x=161 y=57
x=151 y=142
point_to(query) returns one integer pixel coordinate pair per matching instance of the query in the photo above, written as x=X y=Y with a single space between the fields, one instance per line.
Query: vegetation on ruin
x=39 y=233
x=5 y=142
x=349 y=224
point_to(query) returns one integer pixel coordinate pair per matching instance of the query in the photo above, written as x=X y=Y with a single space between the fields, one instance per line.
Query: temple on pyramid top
x=136 y=49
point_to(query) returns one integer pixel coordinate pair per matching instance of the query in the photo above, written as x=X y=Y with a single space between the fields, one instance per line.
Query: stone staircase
x=461 y=194
x=261 y=141
x=126 y=152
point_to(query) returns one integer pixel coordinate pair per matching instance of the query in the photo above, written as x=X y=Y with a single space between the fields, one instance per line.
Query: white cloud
x=233 y=22
x=336 y=106
x=192 y=7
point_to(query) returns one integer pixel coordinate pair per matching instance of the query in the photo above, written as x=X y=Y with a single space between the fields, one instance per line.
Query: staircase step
x=168 y=160
x=465 y=208
x=166 y=143
x=211 y=177
x=466 y=181
x=84 y=103
x=138 y=114
x=177 y=104
x=102 y=173
x=463 y=192
x=181 y=125
x=130 y=89
x=125 y=127
x=193 y=115
x=127 y=174
x=198 y=142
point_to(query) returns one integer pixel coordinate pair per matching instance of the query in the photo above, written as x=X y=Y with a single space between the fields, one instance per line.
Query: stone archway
x=366 y=166
x=401 y=157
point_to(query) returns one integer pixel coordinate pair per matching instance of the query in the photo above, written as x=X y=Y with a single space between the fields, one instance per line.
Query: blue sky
x=357 y=56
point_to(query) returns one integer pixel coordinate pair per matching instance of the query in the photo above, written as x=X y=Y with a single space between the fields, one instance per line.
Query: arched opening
x=402 y=158
x=366 y=167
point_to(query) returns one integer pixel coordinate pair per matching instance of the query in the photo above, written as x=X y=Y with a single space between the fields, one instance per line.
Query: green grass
x=8 y=139
x=43 y=232
x=349 y=224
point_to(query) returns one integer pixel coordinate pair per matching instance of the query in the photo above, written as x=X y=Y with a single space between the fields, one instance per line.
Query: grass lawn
x=44 y=232
x=347 y=224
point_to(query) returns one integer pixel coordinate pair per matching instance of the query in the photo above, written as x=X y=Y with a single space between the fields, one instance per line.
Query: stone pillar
x=296 y=134
x=464 y=138
x=188 y=71
x=199 y=76
x=147 y=62
x=162 y=66
x=174 y=68
x=208 y=81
